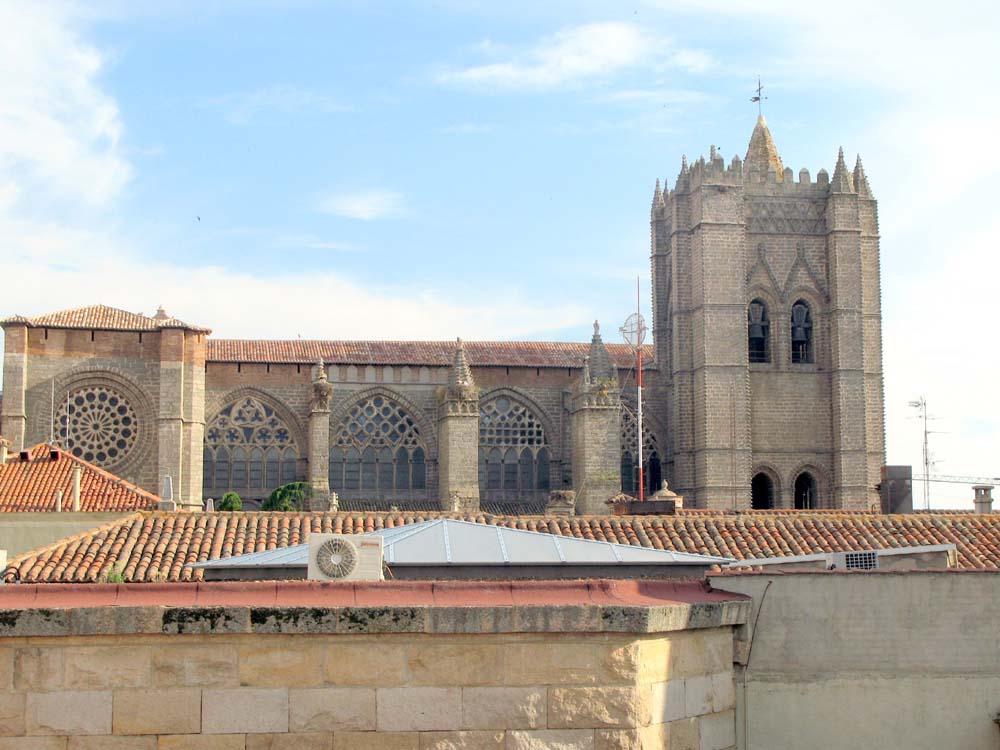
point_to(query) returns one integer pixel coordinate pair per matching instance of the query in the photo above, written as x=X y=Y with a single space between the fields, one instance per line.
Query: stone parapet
x=436 y=666
x=303 y=607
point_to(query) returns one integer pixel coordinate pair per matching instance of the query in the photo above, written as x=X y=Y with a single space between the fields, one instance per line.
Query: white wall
x=869 y=660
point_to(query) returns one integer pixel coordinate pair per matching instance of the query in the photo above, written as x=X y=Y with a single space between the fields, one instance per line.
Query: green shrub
x=291 y=496
x=230 y=501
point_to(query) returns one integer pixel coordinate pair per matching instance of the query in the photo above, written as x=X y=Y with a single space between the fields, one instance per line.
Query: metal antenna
x=759 y=99
x=634 y=333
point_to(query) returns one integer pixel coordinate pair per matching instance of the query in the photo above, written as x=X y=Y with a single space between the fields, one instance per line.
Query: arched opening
x=761 y=492
x=377 y=452
x=758 y=332
x=802 y=333
x=806 y=492
x=514 y=462
x=248 y=449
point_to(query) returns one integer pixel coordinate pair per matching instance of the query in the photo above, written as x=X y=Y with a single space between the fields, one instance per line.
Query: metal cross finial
x=759 y=99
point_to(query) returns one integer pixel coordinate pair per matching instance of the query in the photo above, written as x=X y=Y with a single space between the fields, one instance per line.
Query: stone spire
x=657 y=194
x=461 y=374
x=841 y=182
x=762 y=154
x=861 y=180
x=601 y=366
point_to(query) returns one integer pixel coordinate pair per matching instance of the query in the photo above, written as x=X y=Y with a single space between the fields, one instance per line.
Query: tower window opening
x=802 y=333
x=758 y=332
x=761 y=492
x=806 y=494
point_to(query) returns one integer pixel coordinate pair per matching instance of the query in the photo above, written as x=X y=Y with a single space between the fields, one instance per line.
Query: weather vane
x=759 y=99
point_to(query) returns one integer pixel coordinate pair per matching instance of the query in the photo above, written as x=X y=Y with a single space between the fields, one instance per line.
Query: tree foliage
x=230 y=501
x=291 y=496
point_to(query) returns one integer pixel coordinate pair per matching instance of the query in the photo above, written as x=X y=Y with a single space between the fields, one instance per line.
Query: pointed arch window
x=377 y=450
x=248 y=449
x=653 y=472
x=806 y=492
x=513 y=450
x=758 y=332
x=761 y=491
x=802 y=333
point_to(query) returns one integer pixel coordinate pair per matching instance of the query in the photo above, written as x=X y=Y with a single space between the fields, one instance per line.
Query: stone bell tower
x=767 y=332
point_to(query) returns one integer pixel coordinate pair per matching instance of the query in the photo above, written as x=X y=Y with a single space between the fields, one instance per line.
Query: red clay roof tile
x=30 y=486
x=155 y=546
x=414 y=353
x=100 y=317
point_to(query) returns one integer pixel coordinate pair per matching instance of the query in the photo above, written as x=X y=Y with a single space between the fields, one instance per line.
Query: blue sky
x=484 y=170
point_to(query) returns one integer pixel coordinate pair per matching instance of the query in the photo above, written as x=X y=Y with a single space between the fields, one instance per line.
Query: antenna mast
x=921 y=405
x=634 y=333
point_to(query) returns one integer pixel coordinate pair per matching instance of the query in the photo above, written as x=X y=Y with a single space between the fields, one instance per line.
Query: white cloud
x=242 y=107
x=58 y=130
x=319 y=305
x=365 y=205
x=571 y=56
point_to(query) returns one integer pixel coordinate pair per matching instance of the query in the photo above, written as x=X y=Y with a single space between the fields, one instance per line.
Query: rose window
x=97 y=424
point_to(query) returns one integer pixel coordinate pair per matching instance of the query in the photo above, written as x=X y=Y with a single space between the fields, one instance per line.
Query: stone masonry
x=428 y=677
x=387 y=423
x=726 y=236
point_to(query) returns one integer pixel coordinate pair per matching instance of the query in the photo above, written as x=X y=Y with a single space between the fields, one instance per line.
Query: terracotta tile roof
x=155 y=546
x=30 y=486
x=430 y=353
x=101 y=317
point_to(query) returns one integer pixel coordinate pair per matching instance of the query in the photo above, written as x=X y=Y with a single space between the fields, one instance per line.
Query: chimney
x=58 y=501
x=75 y=492
x=168 y=488
x=4 y=445
x=983 y=497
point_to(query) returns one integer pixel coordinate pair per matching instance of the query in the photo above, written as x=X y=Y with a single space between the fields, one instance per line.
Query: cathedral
x=762 y=387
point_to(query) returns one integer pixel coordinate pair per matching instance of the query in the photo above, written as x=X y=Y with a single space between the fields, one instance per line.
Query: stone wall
x=356 y=679
x=868 y=660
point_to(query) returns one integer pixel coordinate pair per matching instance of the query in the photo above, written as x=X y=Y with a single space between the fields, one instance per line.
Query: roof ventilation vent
x=339 y=557
x=858 y=560
x=54 y=454
x=24 y=455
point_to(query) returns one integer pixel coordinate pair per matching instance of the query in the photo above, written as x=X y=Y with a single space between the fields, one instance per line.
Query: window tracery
x=248 y=449
x=513 y=450
x=653 y=474
x=377 y=449
x=98 y=424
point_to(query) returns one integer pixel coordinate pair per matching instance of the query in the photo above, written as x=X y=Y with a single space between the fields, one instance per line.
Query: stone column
x=170 y=415
x=595 y=430
x=319 y=439
x=458 y=439
x=13 y=418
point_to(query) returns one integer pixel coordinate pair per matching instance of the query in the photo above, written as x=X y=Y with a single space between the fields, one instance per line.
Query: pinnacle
x=601 y=366
x=461 y=373
x=841 y=182
x=762 y=153
x=861 y=180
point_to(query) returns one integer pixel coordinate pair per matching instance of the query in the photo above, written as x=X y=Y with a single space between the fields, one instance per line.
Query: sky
x=429 y=169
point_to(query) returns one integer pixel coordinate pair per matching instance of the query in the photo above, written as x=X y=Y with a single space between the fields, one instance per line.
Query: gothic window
x=802 y=333
x=377 y=449
x=806 y=492
x=758 y=332
x=761 y=492
x=98 y=424
x=653 y=472
x=248 y=449
x=513 y=453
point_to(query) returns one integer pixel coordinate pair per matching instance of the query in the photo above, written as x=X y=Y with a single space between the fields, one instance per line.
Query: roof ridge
x=103 y=473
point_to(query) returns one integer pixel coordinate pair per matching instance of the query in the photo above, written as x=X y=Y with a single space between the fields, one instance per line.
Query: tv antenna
x=634 y=334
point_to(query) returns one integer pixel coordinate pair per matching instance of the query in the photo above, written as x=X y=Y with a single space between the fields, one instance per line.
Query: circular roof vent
x=337 y=558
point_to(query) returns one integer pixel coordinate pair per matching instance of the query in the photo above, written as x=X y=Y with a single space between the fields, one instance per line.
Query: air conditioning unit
x=860 y=560
x=345 y=557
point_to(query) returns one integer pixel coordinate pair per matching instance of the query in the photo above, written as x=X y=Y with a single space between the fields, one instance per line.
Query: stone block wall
x=296 y=678
x=594 y=692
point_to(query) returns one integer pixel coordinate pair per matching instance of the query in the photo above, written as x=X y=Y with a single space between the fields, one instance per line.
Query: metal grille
x=867 y=560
